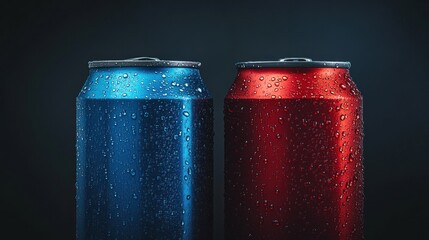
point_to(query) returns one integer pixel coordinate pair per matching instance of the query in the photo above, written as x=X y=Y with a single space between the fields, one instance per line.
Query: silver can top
x=294 y=63
x=143 y=62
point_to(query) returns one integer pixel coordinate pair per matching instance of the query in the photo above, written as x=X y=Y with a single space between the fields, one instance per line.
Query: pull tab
x=144 y=59
x=293 y=59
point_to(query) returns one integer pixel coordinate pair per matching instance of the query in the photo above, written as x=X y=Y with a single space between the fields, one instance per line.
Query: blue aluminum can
x=144 y=151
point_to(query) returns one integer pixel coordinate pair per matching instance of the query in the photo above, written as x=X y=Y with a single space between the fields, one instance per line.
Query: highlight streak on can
x=293 y=152
x=144 y=151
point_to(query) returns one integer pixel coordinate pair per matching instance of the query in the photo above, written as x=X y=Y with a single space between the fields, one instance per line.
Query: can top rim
x=293 y=63
x=143 y=62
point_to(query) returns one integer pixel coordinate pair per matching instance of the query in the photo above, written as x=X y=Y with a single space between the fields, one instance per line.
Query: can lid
x=293 y=62
x=143 y=62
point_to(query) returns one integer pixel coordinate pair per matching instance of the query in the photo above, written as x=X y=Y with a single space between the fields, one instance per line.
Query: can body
x=293 y=155
x=144 y=154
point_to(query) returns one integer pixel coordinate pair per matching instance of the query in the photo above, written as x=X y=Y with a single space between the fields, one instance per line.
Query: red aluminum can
x=293 y=152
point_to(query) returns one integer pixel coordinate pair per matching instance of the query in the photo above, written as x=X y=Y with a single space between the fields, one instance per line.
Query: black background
x=45 y=46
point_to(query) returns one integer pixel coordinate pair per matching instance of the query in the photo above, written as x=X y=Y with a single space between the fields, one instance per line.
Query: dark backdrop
x=45 y=46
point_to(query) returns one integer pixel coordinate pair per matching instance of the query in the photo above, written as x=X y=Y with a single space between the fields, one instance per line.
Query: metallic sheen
x=293 y=63
x=293 y=155
x=143 y=62
x=144 y=153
